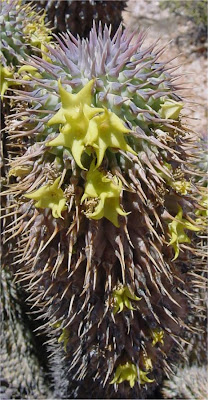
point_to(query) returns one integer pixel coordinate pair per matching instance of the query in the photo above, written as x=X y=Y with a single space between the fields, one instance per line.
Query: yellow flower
x=176 y=229
x=143 y=377
x=122 y=297
x=4 y=84
x=157 y=336
x=83 y=127
x=50 y=196
x=20 y=171
x=107 y=130
x=202 y=214
x=56 y=325
x=74 y=115
x=64 y=337
x=107 y=192
x=128 y=372
x=147 y=363
x=31 y=70
x=171 y=109
x=181 y=186
x=38 y=34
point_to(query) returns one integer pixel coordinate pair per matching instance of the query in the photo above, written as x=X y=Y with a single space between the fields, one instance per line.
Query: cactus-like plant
x=105 y=210
x=21 y=28
x=21 y=371
x=78 y=16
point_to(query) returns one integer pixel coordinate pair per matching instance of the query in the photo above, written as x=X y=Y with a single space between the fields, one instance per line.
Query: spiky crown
x=107 y=160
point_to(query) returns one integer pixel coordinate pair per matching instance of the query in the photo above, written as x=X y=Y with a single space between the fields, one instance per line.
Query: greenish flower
x=204 y=204
x=50 y=196
x=143 y=377
x=171 y=109
x=182 y=186
x=128 y=372
x=4 y=84
x=176 y=229
x=84 y=126
x=147 y=363
x=107 y=130
x=20 y=171
x=121 y=299
x=38 y=34
x=74 y=115
x=32 y=70
x=64 y=337
x=107 y=192
x=56 y=325
x=157 y=336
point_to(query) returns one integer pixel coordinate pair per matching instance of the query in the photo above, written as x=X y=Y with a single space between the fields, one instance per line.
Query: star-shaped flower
x=4 y=84
x=83 y=126
x=74 y=115
x=143 y=377
x=157 y=336
x=38 y=34
x=128 y=372
x=176 y=229
x=64 y=337
x=32 y=71
x=181 y=186
x=202 y=213
x=72 y=102
x=171 y=109
x=107 y=192
x=107 y=130
x=21 y=171
x=121 y=299
x=50 y=196
x=147 y=362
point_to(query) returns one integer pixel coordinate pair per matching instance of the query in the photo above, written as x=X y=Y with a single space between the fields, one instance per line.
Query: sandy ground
x=146 y=14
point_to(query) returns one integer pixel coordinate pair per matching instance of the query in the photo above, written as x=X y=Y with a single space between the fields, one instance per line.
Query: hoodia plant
x=22 y=30
x=104 y=211
x=77 y=16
